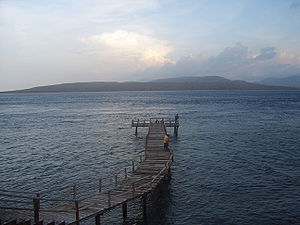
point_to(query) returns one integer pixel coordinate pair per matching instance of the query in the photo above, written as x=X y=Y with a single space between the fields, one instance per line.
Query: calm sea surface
x=236 y=160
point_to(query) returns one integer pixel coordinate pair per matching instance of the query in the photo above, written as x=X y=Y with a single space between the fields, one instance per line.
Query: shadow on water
x=158 y=205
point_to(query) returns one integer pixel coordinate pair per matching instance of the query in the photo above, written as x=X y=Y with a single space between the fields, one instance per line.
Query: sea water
x=236 y=159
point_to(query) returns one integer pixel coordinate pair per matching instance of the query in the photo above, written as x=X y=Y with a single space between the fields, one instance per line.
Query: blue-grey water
x=236 y=159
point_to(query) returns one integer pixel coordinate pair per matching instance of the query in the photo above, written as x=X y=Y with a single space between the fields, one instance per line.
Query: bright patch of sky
x=56 y=41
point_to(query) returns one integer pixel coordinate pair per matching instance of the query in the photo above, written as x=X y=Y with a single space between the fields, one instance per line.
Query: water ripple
x=236 y=160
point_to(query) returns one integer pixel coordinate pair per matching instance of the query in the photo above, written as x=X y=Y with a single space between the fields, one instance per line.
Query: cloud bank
x=49 y=42
x=235 y=62
x=136 y=49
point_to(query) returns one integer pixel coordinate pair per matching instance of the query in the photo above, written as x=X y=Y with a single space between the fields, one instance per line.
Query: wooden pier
x=168 y=122
x=131 y=183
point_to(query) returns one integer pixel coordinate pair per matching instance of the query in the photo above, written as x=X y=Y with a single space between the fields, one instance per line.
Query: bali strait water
x=236 y=159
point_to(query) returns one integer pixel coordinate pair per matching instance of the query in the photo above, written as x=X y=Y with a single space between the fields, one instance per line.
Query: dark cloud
x=233 y=54
x=294 y=5
x=266 y=53
x=230 y=58
x=233 y=62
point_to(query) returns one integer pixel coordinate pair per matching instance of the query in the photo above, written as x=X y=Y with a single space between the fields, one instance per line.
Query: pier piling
x=97 y=220
x=124 y=210
x=144 y=202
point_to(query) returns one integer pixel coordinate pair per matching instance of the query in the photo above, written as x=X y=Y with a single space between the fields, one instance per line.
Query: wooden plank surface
x=155 y=160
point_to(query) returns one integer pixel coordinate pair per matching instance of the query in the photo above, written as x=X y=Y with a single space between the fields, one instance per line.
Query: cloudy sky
x=55 y=41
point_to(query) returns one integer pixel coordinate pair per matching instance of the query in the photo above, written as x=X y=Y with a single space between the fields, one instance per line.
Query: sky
x=45 y=42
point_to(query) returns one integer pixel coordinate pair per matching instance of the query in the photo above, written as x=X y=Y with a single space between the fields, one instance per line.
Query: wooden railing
x=32 y=201
x=146 y=122
x=38 y=202
x=28 y=222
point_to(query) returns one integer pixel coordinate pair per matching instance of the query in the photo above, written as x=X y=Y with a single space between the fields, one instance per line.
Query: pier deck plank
x=155 y=161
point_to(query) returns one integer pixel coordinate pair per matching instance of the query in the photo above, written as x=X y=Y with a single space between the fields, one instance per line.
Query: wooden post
x=74 y=191
x=36 y=210
x=125 y=171
x=97 y=220
x=169 y=171
x=144 y=202
x=109 y=199
x=77 y=212
x=137 y=127
x=133 y=189
x=124 y=209
x=100 y=185
x=132 y=166
x=116 y=180
x=176 y=130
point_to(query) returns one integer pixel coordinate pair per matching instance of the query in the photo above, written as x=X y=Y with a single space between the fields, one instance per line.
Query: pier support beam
x=176 y=131
x=97 y=220
x=144 y=202
x=124 y=210
x=36 y=210
x=136 y=131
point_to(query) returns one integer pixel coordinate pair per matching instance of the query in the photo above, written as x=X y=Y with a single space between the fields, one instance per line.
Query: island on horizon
x=168 y=84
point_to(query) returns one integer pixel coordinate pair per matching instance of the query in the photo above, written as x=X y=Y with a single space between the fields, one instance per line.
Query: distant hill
x=171 y=84
x=291 y=81
x=205 y=79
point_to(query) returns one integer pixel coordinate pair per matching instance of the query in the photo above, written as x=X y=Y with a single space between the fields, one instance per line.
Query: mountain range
x=291 y=81
x=177 y=83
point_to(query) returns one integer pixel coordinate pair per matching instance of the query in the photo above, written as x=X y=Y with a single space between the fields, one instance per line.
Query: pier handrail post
x=74 y=191
x=133 y=189
x=100 y=184
x=77 y=211
x=136 y=128
x=151 y=184
x=36 y=209
x=109 y=199
x=116 y=180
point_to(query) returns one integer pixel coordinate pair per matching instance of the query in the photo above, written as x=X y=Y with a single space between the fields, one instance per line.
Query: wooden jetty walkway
x=135 y=182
